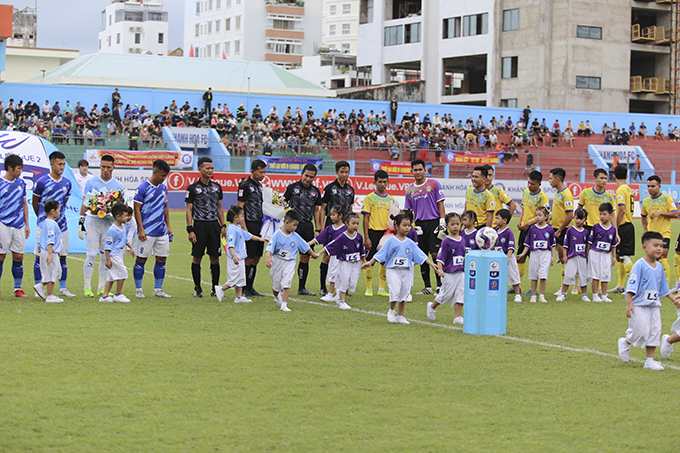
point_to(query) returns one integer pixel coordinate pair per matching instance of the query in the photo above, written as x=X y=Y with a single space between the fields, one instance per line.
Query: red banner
x=396 y=168
x=141 y=158
x=363 y=185
x=472 y=158
x=578 y=187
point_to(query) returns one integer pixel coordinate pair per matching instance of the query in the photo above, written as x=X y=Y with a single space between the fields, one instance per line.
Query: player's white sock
x=88 y=269
x=102 y=273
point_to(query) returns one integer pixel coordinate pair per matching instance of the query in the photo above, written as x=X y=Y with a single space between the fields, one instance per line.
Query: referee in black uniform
x=250 y=199
x=305 y=198
x=205 y=223
x=339 y=192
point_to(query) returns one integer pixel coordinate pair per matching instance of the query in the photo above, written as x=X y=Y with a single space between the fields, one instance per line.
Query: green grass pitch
x=189 y=374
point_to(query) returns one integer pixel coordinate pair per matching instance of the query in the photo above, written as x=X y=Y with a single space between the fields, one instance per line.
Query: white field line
x=449 y=327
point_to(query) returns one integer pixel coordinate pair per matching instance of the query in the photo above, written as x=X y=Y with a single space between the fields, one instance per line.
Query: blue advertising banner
x=290 y=164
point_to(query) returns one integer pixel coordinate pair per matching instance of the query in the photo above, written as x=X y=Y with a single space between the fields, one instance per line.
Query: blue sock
x=17 y=273
x=1 y=266
x=138 y=273
x=64 y=272
x=159 y=274
x=37 y=276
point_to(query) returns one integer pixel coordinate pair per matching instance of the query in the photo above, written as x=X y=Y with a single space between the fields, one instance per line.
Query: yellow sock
x=522 y=270
x=677 y=266
x=562 y=271
x=622 y=274
x=368 y=274
x=628 y=267
x=667 y=270
x=382 y=275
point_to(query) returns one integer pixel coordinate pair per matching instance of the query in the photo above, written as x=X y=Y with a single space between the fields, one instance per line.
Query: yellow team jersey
x=625 y=198
x=562 y=204
x=480 y=202
x=378 y=206
x=662 y=203
x=531 y=201
x=591 y=201
x=501 y=197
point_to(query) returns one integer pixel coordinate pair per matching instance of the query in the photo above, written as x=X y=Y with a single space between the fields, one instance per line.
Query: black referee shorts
x=428 y=241
x=627 y=245
x=560 y=240
x=520 y=243
x=207 y=239
x=254 y=248
x=375 y=237
x=306 y=231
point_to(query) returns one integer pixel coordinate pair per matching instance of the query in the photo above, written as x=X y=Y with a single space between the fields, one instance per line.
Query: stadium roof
x=176 y=73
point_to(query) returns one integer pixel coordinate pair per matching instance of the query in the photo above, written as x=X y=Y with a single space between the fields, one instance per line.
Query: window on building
x=217 y=50
x=198 y=8
x=110 y=15
x=100 y=44
x=347 y=8
x=227 y=24
x=218 y=23
x=198 y=30
x=161 y=38
x=283 y=24
x=117 y=38
x=394 y=35
x=331 y=30
x=218 y=4
x=509 y=103
x=590 y=83
x=333 y=10
x=412 y=33
x=228 y=3
x=138 y=38
x=133 y=16
x=237 y=46
x=237 y=23
x=108 y=40
x=207 y=51
x=476 y=24
x=451 y=28
x=345 y=48
x=238 y=2
x=509 y=70
x=227 y=46
x=346 y=29
x=209 y=5
x=584 y=31
x=511 y=19
x=209 y=26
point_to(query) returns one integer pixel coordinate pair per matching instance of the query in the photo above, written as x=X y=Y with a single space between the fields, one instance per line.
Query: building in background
x=275 y=31
x=551 y=54
x=134 y=27
x=341 y=25
x=24 y=28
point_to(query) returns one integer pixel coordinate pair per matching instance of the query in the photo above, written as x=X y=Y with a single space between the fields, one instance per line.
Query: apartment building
x=275 y=31
x=341 y=25
x=616 y=55
x=134 y=27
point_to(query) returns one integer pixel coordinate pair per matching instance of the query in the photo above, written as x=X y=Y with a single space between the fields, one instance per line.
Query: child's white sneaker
x=219 y=292
x=518 y=298
x=606 y=299
x=53 y=299
x=342 y=305
x=277 y=299
x=585 y=298
x=558 y=292
x=624 y=350
x=409 y=298
x=64 y=292
x=106 y=299
x=120 y=298
x=458 y=320
x=392 y=316
x=597 y=298
x=431 y=312
x=542 y=299
x=402 y=320
x=329 y=297
x=560 y=298
x=666 y=347
x=533 y=299
x=653 y=365
x=242 y=300
x=284 y=307
x=40 y=291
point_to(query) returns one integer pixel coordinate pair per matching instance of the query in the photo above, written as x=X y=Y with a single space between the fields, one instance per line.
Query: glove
x=81 y=227
x=419 y=230
x=440 y=231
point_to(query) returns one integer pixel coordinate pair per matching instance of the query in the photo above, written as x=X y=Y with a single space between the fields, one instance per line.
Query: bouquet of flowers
x=100 y=202
x=274 y=209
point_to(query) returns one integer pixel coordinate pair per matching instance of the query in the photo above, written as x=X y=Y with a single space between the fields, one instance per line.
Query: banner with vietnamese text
x=290 y=164
x=453 y=157
x=183 y=159
x=396 y=168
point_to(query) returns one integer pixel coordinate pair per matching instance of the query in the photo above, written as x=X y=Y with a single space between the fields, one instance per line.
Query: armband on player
x=190 y=229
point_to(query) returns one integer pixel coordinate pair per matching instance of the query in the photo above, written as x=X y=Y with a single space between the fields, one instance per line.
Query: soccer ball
x=486 y=238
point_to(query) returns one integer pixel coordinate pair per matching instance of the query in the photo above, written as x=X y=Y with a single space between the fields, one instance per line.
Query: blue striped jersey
x=12 y=197
x=47 y=188
x=152 y=200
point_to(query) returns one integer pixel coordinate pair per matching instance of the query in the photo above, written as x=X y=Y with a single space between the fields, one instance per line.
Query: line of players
x=149 y=221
